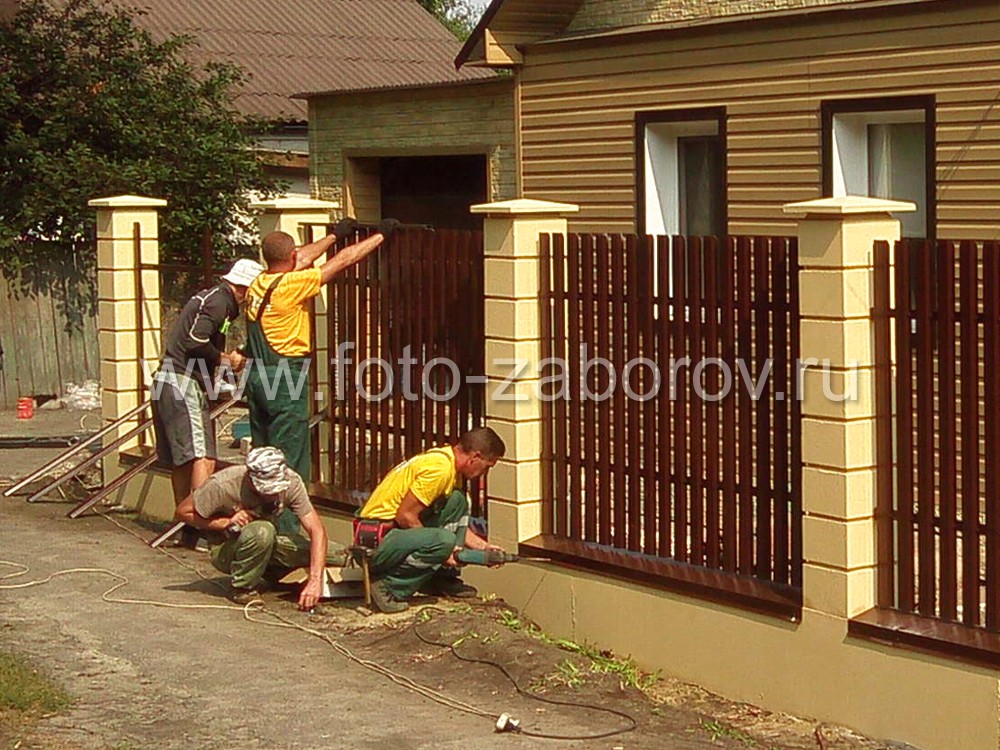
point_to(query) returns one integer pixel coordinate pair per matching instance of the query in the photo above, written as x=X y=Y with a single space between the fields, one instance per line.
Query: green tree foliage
x=92 y=106
x=460 y=16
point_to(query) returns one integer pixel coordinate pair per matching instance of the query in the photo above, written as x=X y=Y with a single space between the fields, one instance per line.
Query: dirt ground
x=180 y=667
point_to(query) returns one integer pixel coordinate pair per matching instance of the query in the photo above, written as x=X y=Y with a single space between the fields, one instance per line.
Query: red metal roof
x=311 y=45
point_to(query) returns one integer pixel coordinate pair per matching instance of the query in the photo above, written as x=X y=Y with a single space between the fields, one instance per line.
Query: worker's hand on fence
x=345 y=228
x=241 y=518
x=236 y=360
x=310 y=594
x=386 y=227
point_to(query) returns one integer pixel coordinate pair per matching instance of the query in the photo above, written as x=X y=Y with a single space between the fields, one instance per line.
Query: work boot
x=384 y=601
x=450 y=586
x=245 y=596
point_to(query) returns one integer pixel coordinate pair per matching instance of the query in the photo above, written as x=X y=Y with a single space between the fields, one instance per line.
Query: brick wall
x=604 y=14
x=414 y=122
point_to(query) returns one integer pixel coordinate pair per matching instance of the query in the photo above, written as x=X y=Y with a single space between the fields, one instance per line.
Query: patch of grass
x=601 y=661
x=717 y=730
x=25 y=690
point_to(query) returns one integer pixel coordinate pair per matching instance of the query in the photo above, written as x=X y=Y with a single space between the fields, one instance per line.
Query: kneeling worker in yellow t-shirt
x=419 y=518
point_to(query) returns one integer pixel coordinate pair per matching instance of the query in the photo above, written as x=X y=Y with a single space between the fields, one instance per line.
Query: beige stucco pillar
x=836 y=238
x=122 y=222
x=511 y=232
x=303 y=219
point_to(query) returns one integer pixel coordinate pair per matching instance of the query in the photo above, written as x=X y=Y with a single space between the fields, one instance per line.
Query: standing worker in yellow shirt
x=278 y=335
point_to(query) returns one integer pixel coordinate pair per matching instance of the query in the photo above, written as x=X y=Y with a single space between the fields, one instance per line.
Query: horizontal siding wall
x=462 y=119
x=579 y=100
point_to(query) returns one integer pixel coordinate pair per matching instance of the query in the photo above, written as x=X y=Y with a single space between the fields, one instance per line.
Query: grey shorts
x=181 y=423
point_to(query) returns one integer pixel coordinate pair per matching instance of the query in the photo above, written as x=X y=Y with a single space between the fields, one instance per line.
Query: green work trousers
x=247 y=557
x=276 y=417
x=409 y=558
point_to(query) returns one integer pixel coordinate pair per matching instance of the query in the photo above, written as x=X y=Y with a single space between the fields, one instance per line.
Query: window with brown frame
x=680 y=158
x=883 y=148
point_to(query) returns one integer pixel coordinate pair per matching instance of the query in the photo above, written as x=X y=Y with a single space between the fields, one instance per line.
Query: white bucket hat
x=243 y=272
x=268 y=470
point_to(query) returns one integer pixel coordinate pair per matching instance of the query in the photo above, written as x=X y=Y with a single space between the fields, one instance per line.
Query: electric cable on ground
x=283 y=622
x=633 y=724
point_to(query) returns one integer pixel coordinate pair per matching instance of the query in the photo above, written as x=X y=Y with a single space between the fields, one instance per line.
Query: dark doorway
x=434 y=190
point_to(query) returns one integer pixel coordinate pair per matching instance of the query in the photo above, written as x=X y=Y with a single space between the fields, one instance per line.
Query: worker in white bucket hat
x=239 y=507
x=194 y=347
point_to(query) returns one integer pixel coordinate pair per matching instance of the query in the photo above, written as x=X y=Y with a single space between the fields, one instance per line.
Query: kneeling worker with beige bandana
x=240 y=506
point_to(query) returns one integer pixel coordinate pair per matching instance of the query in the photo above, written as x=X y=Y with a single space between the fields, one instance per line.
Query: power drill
x=485 y=557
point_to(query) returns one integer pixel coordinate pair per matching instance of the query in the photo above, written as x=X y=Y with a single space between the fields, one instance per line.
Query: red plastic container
x=25 y=408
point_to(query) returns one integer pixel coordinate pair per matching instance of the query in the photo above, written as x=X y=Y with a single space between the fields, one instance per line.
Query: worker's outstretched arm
x=349 y=256
x=312 y=589
x=306 y=255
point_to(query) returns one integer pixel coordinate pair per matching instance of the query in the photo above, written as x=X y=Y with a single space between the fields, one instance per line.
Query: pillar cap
x=848 y=205
x=127 y=201
x=524 y=206
x=295 y=204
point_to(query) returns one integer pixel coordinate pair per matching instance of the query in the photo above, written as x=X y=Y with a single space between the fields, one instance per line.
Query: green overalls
x=406 y=559
x=276 y=417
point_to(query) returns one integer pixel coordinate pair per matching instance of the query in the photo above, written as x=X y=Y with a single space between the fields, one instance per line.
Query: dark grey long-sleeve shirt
x=199 y=333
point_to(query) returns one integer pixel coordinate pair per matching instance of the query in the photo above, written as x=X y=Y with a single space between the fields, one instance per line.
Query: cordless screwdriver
x=485 y=557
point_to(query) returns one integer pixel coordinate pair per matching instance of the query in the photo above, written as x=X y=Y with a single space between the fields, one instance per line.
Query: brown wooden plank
x=991 y=340
x=729 y=445
x=356 y=446
x=680 y=423
x=744 y=350
x=648 y=386
x=763 y=496
x=926 y=573
x=881 y=315
x=795 y=354
x=563 y=427
x=617 y=353
x=904 y=429
x=605 y=414
x=970 y=455
x=665 y=399
x=589 y=408
x=947 y=437
x=576 y=447
x=340 y=431
x=781 y=477
x=633 y=428
x=549 y=425
x=442 y=325
x=711 y=383
x=696 y=450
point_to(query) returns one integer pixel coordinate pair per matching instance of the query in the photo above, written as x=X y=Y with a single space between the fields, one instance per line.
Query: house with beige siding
x=681 y=117
x=422 y=153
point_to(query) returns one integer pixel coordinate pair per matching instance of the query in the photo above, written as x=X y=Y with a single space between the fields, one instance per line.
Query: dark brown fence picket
x=425 y=292
x=938 y=441
x=667 y=486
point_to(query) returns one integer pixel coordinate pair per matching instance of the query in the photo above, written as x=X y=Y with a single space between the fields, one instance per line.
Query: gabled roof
x=289 y=46
x=508 y=24
x=524 y=19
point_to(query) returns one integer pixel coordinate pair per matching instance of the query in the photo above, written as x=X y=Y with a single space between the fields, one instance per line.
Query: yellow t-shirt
x=427 y=475
x=286 y=319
